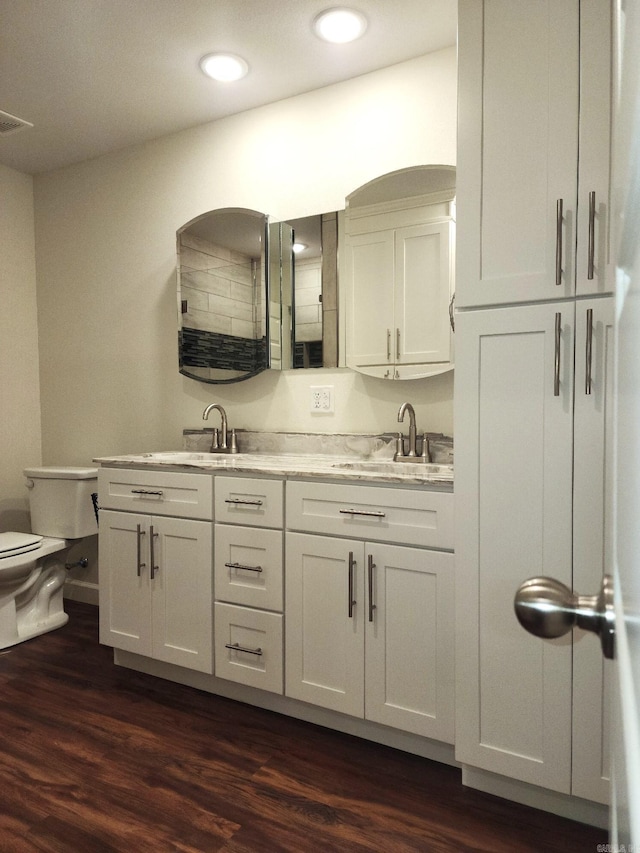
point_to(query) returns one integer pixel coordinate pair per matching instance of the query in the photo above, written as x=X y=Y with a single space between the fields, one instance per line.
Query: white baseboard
x=574 y=808
x=76 y=590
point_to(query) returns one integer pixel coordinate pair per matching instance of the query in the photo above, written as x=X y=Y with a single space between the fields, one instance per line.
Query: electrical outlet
x=321 y=399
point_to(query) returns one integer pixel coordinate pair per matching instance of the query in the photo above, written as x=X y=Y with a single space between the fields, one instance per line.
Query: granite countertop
x=353 y=458
x=315 y=467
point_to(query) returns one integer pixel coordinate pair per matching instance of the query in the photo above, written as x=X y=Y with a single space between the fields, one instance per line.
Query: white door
x=625 y=829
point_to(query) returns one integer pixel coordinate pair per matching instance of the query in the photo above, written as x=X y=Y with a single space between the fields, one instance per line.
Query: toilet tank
x=60 y=501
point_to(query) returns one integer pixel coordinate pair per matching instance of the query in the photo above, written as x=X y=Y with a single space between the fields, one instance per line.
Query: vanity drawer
x=157 y=492
x=248 y=647
x=408 y=517
x=248 y=566
x=249 y=501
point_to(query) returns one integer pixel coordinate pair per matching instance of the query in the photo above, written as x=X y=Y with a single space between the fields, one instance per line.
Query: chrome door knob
x=547 y=608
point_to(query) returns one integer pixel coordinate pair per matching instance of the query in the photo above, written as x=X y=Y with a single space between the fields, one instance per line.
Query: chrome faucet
x=407 y=407
x=219 y=440
x=412 y=455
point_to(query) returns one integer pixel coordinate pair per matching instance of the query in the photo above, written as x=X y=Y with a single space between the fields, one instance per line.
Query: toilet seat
x=15 y=544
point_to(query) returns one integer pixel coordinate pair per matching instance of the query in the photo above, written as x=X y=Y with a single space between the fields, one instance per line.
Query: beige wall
x=105 y=248
x=19 y=385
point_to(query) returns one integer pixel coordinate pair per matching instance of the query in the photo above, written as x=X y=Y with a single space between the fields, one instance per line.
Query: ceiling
x=94 y=76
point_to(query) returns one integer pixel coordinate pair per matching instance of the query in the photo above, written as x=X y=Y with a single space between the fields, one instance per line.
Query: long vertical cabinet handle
x=556 y=372
x=370 y=567
x=559 y=218
x=397 y=344
x=388 y=344
x=592 y=235
x=139 y=534
x=352 y=600
x=589 y=352
x=154 y=568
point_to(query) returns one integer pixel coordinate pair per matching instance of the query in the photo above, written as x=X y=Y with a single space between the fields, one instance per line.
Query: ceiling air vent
x=11 y=124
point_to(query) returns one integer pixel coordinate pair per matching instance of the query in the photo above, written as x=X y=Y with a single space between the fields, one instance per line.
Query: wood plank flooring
x=99 y=759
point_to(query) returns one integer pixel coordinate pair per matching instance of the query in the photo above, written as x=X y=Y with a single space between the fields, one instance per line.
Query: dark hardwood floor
x=97 y=759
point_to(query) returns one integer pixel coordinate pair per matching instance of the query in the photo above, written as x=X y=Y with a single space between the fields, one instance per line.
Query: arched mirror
x=223 y=294
x=399 y=281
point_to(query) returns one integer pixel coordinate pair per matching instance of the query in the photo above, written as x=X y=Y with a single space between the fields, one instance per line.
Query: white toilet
x=32 y=569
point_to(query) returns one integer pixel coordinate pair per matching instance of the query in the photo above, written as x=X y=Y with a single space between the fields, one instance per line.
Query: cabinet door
x=370 y=322
x=125 y=601
x=422 y=292
x=596 y=120
x=593 y=471
x=324 y=658
x=518 y=71
x=409 y=665
x=513 y=515
x=182 y=592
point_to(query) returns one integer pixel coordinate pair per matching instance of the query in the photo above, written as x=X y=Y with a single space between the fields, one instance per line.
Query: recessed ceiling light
x=299 y=247
x=340 y=25
x=224 y=67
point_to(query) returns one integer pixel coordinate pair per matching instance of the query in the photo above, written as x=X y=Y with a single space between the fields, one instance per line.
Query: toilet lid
x=14 y=544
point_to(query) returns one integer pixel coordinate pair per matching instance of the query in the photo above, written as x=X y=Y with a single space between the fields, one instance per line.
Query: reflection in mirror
x=222 y=296
x=399 y=279
x=311 y=264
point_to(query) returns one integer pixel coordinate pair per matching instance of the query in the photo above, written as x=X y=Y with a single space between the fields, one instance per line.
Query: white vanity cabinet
x=399 y=284
x=531 y=473
x=535 y=96
x=370 y=624
x=248 y=563
x=533 y=381
x=156 y=586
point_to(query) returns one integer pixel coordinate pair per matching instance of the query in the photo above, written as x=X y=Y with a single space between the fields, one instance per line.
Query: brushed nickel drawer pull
x=352 y=600
x=559 y=218
x=236 y=647
x=158 y=492
x=592 y=235
x=589 y=352
x=239 y=502
x=154 y=568
x=139 y=534
x=370 y=567
x=365 y=512
x=556 y=373
x=243 y=568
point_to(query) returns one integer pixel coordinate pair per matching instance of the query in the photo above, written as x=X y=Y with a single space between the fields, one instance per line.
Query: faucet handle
x=233 y=447
x=399 y=447
x=426 y=449
x=214 y=439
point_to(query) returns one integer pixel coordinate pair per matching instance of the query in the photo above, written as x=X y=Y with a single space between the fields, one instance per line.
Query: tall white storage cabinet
x=533 y=381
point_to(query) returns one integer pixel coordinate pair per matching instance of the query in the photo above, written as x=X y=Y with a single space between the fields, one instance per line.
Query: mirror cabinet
x=223 y=331
x=254 y=294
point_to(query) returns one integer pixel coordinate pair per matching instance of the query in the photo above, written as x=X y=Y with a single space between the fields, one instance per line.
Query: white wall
x=19 y=385
x=105 y=248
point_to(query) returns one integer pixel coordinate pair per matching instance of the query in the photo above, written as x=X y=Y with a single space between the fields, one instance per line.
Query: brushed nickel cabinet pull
x=589 y=352
x=154 y=568
x=559 y=217
x=158 y=492
x=236 y=647
x=592 y=235
x=243 y=568
x=452 y=321
x=352 y=600
x=397 y=344
x=388 y=344
x=239 y=502
x=370 y=567
x=556 y=375
x=368 y=513
x=139 y=534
